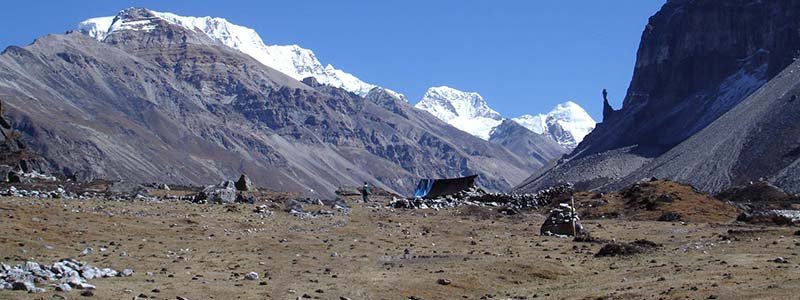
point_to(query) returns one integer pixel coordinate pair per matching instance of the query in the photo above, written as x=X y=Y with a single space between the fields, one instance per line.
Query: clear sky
x=523 y=56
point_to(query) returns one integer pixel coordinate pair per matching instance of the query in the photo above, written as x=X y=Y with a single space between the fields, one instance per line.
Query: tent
x=432 y=188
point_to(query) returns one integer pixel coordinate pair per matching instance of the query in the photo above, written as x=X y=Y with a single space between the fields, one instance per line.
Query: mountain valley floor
x=180 y=250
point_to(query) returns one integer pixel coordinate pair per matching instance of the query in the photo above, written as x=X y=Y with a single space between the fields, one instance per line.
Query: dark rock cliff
x=696 y=61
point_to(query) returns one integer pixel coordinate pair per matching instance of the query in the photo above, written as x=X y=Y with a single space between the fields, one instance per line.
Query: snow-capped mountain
x=467 y=111
x=568 y=123
x=291 y=60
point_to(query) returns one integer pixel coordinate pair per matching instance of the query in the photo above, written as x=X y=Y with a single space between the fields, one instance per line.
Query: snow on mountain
x=568 y=123
x=537 y=123
x=96 y=27
x=292 y=60
x=467 y=111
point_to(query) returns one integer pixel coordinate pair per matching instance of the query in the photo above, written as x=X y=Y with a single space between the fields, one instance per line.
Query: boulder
x=6 y=170
x=89 y=272
x=244 y=183
x=669 y=216
x=626 y=249
x=224 y=192
x=251 y=276
x=63 y=287
x=23 y=286
x=13 y=177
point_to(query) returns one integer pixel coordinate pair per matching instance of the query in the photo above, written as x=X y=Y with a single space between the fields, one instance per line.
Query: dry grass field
x=178 y=249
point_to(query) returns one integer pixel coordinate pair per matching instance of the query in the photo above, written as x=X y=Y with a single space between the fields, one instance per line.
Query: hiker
x=365 y=192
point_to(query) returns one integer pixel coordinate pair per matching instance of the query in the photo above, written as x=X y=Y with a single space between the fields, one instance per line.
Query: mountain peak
x=568 y=123
x=292 y=60
x=467 y=111
x=453 y=103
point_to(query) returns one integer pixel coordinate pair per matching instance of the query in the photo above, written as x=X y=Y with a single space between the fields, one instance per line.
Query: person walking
x=365 y=192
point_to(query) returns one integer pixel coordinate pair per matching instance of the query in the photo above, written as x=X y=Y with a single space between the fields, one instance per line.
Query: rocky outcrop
x=17 y=162
x=64 y=275
x=608 y=111
x=388 y=100
x=244 y=184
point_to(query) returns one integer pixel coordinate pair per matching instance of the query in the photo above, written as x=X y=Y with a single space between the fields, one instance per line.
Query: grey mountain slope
x=539 y=147
x=757 y=139
x=696 y=60
x=170 y=105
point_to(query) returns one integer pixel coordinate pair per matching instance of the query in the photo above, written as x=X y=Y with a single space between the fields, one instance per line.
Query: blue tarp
x=423 y=188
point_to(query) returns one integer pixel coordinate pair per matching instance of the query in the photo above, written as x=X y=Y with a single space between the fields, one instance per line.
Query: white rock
x=63 y=287
x=251 y=276
x=85 y=286
x=108 y=272
x=89 y=273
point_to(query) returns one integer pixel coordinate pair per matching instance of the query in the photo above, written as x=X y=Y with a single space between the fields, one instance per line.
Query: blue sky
x=522 y=56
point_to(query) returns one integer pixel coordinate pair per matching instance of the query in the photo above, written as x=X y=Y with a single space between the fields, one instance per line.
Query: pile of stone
x=28 y=177
x=560 y=222
x=771 y=217
x=61 y=193
x=478 y=197
x=421 y=203
x=263 y=210
x=58 y=193
x=627 y=249
x=64 y=275
x=23 y=173
x=297 y=207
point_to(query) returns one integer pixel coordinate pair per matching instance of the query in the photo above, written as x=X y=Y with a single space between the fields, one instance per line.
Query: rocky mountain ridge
x=697 y=62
